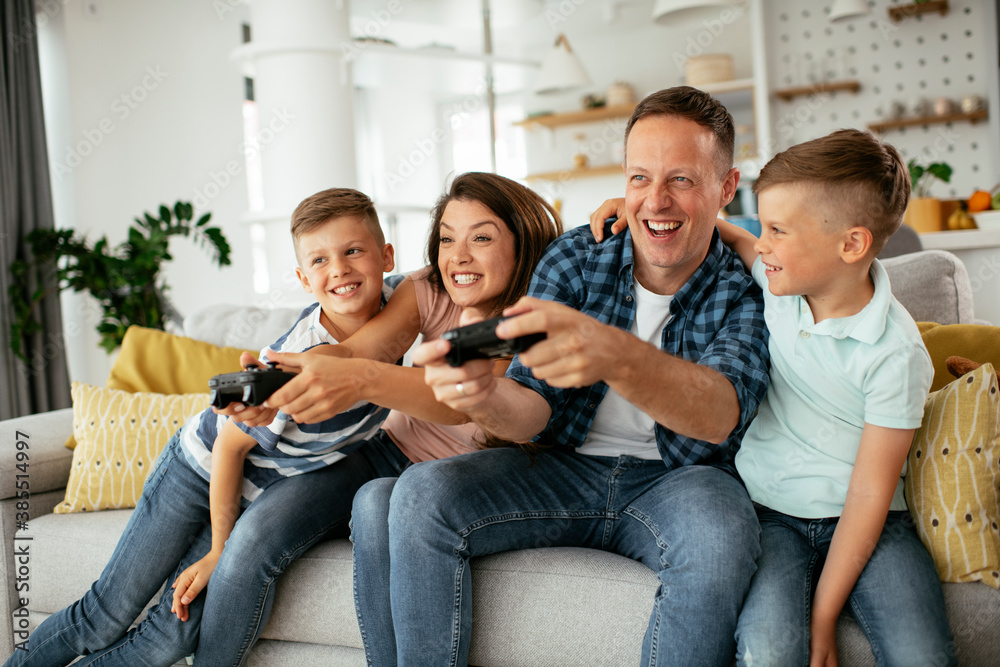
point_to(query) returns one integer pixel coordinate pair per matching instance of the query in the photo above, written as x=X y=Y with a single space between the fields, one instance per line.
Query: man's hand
x=326 y=385
x=248 y=414
x=579 y=351
x=611 y=208
x=191 y=582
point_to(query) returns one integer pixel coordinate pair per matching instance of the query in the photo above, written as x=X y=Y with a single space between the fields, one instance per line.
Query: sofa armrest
x=48 y=461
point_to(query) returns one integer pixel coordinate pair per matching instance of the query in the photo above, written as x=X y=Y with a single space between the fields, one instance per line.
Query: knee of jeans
x=370 y=511
x=423 y=493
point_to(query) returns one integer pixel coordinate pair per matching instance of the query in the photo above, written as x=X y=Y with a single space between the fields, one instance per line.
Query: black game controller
x=479 y=341
x=251 y=386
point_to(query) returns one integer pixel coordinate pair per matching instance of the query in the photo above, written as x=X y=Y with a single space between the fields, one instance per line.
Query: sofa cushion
x=159 y=362
x=978 y=342
x=933 y=285
x=119 y=434
x=952 y=482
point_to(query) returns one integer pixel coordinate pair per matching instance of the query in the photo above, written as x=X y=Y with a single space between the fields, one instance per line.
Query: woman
x=487 y=234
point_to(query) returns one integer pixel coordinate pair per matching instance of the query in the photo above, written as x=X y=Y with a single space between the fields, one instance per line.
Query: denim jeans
x=897 y=600
x=170 y=529
x=694 y=526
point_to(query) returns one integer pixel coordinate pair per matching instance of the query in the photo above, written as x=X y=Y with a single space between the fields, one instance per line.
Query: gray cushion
x=933 y=285
x=48 y=459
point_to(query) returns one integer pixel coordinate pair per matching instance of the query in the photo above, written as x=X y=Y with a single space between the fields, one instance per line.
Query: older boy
x=282 y=474
x=823 y=459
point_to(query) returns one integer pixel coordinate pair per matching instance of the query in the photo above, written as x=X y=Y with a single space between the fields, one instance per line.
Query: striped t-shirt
x=284 y=447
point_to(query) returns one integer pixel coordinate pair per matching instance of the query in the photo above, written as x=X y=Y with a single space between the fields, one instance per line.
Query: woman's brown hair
x=532 y=221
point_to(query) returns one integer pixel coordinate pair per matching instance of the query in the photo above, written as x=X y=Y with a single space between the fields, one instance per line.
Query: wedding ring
x=460 y=389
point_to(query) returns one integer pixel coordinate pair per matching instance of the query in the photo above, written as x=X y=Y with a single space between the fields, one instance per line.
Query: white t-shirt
x=619 y=427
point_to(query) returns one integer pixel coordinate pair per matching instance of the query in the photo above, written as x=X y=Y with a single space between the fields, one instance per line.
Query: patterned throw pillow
x=953 y=475
x=119 y=435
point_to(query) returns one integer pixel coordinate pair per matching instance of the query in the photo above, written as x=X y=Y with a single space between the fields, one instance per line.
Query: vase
x=923 y=214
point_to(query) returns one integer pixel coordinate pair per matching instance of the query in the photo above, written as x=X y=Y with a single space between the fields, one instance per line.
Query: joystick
x=480 y=341
x=251 y=386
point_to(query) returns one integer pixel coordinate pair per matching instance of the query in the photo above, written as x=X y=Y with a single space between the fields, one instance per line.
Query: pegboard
x=898 y=65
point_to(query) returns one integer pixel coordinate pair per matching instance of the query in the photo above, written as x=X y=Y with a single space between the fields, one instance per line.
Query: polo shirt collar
x=866 y=326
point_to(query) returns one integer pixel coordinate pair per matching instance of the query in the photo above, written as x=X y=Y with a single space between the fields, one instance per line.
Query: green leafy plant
x=920 y=176
x=125 y=279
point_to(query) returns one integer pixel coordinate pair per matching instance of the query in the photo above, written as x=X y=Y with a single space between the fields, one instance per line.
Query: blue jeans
x=694 y=526
x=169 y=530
x=897 y=600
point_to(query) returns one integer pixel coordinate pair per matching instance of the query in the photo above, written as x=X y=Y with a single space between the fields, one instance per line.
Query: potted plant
x=923 y=213
x=125 y=279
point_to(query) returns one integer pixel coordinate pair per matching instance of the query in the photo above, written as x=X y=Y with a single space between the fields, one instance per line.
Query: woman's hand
x=611 y=208
x=191 y=582
x=460 y=388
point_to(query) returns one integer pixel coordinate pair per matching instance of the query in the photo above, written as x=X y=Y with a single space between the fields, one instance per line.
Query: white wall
x=150 y=113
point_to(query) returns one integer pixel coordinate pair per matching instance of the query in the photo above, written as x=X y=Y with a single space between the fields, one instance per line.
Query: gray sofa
x=555 y=606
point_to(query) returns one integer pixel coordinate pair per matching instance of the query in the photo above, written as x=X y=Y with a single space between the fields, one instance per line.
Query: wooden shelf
x=972 y=117
x=578 y=117
x=569 y=174
x=916 y=9
x=788 y=94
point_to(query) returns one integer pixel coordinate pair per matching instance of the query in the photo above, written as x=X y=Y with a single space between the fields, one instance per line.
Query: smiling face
x=475 y=255
x=341 y=264
x=673 y=194
x=800 y=250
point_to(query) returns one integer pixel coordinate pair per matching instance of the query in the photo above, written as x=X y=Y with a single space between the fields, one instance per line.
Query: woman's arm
x=877 y=468
x=228 y=453
x=334 y=385
x=389 y=334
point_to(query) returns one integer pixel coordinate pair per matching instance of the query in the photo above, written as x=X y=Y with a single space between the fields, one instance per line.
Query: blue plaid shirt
x=717 y=320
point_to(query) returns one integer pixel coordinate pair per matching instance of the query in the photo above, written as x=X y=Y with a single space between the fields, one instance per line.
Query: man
x=655 y=362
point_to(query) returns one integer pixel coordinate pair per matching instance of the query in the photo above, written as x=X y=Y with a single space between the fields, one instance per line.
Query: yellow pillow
x=119 y=436
x=977 y=342
x=156 y=361
x=951 y=484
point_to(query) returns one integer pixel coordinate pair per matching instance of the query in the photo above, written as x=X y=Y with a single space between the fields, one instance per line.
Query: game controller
x=251 y=386
x=480 y=341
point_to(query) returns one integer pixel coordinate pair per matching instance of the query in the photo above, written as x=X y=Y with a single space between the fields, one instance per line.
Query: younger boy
x=823 y=459
x=186 y=527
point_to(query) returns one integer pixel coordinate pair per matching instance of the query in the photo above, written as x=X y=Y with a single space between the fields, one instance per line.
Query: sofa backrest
x=240 y=326
x=933 y=285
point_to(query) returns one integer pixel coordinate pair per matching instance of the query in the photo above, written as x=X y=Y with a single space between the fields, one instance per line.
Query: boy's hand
x=611 y=208
x=191 y=582
x=822 y=643
x=245 y=414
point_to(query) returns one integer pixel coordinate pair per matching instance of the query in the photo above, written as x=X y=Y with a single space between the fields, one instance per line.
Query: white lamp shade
x=670 y=10
x=845 y=9
x=561 y=70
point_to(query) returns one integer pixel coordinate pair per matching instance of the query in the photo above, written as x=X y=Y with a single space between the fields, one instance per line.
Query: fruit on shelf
x=980 y=201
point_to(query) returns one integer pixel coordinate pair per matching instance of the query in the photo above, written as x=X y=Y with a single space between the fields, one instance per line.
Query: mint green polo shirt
x=827 y=381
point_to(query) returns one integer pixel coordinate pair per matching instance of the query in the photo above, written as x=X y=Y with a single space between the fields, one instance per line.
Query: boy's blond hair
x=314 y=211
x=857 y=174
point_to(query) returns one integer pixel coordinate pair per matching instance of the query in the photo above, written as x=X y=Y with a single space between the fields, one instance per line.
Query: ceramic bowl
x=987 y=219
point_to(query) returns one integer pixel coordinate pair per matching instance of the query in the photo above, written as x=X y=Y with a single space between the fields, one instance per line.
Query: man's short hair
x=695 y=105
x=314 y=211
x=862 y=178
